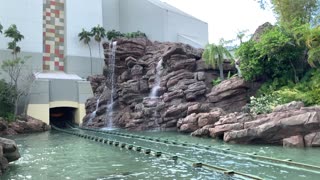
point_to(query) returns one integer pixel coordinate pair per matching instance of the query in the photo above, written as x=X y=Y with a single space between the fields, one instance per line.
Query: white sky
x=226 y=17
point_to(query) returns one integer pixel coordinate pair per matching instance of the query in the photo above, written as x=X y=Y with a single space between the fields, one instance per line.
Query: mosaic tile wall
x=53 y=35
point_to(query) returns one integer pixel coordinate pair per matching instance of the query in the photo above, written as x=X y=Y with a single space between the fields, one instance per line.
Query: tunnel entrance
x=61 y=116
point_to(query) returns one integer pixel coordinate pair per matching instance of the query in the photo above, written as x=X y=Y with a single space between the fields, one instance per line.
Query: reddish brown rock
x=8 y=152
x=31 y=125
x=194 y=122
x=202 y=132
x=184 y=82
x=312 y=139
x=230 y=95
x=293 y=141
x=25 y=125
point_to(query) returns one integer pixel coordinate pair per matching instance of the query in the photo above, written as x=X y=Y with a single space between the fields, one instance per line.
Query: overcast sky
x=226 y=17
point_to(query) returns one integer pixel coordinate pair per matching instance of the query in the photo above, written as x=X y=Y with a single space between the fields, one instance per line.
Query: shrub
x=135 y=34
x=275 y=55
x=6 y=100
x=113 y=34
x=216 y=81
x=308 y=90
x=264 y=104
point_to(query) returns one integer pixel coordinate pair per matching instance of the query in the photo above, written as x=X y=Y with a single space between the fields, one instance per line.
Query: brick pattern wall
x=53 y=35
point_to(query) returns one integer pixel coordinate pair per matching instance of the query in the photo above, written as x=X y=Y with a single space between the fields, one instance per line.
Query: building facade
x=51 y=29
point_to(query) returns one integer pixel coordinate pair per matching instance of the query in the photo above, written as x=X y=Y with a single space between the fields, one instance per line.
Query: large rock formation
x=22 y=125
x=260 y=30
x=290 y=124
x=187 y=102
x=185 y=82
x=8 y=152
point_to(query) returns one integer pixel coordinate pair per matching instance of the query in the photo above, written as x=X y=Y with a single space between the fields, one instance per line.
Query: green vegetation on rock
x=6 y=103
x=286 y=57
x=215 y=55
x=113 y=34
x=19 y=82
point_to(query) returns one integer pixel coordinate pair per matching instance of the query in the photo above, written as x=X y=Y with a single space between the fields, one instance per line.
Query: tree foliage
x=274 y=55
x=6 y=100
x=86 y=36
x=18 y=85
x=307 y=36
x=13 y=33
x=113 y=34
x=307 y=90
x=291 y=12
x=98 y=33
x=288 y=56
x=215 y=55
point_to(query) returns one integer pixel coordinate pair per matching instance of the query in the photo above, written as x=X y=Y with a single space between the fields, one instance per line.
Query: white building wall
x=143 y=16
x=111 y=13
x=81 y=14
x=27 y=15
x=186 y=29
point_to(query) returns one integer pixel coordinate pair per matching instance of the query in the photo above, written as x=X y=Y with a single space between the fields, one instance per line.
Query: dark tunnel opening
x=62 y=116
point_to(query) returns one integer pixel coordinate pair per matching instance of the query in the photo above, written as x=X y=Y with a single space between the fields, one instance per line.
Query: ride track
x=172 y=150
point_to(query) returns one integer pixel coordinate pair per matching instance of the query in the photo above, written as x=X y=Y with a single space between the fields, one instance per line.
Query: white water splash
x=156 y=85
x=237 y=62
x=94 y=113
x=112 y=58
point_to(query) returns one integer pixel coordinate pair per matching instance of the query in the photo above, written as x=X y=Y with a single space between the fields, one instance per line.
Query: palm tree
x=241 y=35
x=215 y=54
x=99 y=33
x=85 y=36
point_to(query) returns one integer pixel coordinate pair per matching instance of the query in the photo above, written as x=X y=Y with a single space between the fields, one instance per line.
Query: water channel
x=56 y=155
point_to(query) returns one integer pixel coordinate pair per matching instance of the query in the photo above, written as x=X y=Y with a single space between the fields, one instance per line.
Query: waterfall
x=94 y=113
x=156 y=85
x=112 y=57
x=237 y=62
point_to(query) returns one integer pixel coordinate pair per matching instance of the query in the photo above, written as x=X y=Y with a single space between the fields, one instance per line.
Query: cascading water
x=156 y=85
x=153 y=96
x=94 y=113
x=112 y=57
x=237 y=62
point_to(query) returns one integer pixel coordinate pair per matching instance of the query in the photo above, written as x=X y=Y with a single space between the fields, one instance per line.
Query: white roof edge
x=168 y=7
x=57 y=75
x=190 y=39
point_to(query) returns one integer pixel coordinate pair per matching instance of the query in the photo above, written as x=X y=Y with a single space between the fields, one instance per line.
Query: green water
x=240 y=163
x=58 y=156
x=55 y=155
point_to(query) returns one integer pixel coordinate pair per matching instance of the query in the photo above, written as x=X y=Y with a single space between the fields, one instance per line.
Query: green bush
x=275 y=55
x=113 y=34
x=216 y=81
x=135 y=34
x=6 y=100
x=307 y=90
x=264 y=104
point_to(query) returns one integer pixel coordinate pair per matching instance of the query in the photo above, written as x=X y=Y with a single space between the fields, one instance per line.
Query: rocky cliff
x=183 y=98
x=22 y=126
x=185 y=86
x=8 y=152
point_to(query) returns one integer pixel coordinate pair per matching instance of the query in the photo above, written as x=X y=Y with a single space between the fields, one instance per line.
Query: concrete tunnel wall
x=52 y=93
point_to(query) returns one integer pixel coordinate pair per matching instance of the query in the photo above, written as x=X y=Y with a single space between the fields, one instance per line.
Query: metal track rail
x=156 y=153
x=254 y=156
